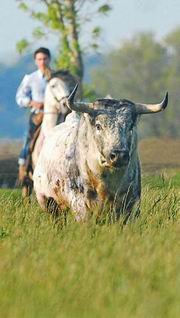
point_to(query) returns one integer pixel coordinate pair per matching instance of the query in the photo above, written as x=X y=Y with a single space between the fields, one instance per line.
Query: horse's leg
x=27 y=186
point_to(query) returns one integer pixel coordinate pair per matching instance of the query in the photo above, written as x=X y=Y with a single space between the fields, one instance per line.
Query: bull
x=91 y=160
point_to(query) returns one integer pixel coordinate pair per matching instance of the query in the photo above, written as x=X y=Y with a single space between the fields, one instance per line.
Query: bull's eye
x=53 y=86
x=98 y=127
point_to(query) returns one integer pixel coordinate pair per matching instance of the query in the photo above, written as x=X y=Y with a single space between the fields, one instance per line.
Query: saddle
x=37 y=120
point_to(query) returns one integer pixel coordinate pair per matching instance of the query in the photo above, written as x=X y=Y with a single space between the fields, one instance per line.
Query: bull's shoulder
x=60 y=141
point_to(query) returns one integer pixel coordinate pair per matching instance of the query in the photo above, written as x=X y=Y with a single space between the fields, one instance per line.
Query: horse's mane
x=61 y=72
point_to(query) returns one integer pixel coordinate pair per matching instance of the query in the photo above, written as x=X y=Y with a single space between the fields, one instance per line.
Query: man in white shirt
x=30 y=94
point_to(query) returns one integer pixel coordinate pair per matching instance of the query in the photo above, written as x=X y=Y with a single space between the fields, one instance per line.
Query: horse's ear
x=48 y=79
x=54 y=74
x=48 y=74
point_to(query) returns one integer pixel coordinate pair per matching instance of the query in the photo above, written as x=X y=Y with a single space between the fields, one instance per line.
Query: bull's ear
x=152 y=108
x=90 y=118
x=108 y=96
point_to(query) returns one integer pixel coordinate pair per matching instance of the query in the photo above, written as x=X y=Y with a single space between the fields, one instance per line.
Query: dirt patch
x=158 y=154
x=155 y=154
x=9 y=152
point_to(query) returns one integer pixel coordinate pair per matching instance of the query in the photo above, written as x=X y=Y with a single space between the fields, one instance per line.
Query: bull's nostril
x=120 y=155
x=113 y=156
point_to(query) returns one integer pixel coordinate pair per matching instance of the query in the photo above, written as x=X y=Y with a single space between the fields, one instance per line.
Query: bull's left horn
x=73 y=93
x=81 y=107
x=152 y=108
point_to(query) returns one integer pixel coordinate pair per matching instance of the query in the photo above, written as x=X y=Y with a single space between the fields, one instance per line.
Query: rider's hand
x=36 y=105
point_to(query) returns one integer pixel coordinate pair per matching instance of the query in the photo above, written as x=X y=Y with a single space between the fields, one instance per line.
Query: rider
x=30 y=94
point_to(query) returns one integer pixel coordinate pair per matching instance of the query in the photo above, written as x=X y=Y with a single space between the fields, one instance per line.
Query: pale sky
x=126 y=18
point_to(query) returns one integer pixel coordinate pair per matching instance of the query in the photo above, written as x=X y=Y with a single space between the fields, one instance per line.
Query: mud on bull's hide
x=92 y=159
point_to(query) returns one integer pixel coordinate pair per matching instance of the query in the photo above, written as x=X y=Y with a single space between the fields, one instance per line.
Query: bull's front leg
x=128 y=203
x=78 y=206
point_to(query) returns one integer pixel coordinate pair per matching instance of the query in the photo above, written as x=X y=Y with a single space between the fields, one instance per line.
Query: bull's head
x=113 y=125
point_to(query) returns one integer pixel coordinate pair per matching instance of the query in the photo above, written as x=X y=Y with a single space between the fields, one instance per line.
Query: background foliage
x=143 y=69
x=67 y=20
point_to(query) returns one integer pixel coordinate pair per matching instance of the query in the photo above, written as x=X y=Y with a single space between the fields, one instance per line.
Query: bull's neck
x=92 y=152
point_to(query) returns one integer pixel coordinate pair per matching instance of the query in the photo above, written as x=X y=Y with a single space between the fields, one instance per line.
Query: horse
x=58 y=88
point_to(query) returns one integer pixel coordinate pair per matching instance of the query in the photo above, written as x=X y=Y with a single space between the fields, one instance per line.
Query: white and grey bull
x=92 y=158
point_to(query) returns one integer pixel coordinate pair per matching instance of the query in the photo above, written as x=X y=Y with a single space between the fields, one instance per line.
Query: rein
x=46 y=113
x=57 y=100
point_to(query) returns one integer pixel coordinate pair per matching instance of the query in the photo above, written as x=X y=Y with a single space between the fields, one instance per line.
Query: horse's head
x=56 y=91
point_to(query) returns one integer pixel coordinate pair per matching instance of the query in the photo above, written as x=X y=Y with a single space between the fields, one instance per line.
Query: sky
x=127 y=18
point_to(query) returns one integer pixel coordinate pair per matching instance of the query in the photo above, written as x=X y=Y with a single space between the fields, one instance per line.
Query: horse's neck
x=52 y=108
x=50 y=114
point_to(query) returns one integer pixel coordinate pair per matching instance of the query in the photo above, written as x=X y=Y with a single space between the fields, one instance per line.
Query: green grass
x=90 y=270
x=166 y=179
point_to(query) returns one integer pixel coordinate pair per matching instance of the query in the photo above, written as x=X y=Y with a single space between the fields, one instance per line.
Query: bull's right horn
x=81 y=107
x=152 y=108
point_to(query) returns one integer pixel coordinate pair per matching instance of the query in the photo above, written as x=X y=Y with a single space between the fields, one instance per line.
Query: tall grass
x=91 y=270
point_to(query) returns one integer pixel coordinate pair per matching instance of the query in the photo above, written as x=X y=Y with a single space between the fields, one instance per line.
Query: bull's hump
x=103 y=103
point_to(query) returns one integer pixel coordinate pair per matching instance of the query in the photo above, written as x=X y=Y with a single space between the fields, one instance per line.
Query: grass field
x=90 y=270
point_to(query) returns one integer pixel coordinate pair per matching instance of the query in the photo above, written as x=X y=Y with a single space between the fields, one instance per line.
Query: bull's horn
x=78 y=106
x=152 y=108
x=73 y=93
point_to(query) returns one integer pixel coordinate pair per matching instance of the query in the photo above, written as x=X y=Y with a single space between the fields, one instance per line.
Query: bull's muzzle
x=119 y=158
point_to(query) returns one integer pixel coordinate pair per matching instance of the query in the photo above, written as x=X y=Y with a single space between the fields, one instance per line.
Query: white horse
x=55 y=110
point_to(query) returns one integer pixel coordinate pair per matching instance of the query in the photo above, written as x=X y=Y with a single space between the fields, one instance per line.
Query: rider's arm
x=23 y=95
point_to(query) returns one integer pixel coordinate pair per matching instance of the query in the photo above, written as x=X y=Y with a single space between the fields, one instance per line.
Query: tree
x=172 y=42
x=66 y=19
x=142 y=69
